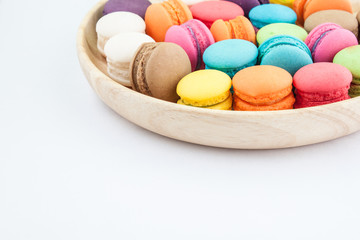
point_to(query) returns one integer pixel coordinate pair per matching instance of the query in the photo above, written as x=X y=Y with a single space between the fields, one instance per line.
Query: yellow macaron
x=288 y=3
x=205 y=88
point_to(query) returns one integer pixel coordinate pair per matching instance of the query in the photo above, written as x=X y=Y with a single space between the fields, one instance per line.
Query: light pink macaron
x=327 y=39
x=194 y=37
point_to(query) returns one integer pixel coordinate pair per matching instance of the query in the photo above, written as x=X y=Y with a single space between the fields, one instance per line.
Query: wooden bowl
x=226 y=129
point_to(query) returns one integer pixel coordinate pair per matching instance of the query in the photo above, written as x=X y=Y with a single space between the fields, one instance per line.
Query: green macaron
x=350 y=58
x=280 y=29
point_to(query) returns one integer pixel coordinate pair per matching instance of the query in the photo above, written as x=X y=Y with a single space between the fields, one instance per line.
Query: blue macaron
x=287 y=52
x=230 y=56
x=265 y=14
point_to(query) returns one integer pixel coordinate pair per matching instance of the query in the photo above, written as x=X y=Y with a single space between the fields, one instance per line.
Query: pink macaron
x=327 y=39
x=321 y=83
x=194 y=37
x=210 y=11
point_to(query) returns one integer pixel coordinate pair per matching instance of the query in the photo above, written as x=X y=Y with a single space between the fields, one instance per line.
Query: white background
x=70 y=168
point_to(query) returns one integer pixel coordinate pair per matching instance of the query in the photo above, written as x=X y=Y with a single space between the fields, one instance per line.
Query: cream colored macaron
x=115 y=23
x=119 y=51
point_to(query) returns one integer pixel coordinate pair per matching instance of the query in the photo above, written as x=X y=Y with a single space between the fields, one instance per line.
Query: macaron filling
x=318 y=41
x=138 y=71
x=197 y=46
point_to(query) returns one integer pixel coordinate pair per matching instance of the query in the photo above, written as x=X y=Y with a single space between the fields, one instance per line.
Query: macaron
x=159 y=17
x=327 y=39
x=238 y=28
x=147 y=78
x=192 y=2
x=304 y=8
x=119 y=51
x=350 y=58
x=287 y=52
x=340 y=17
x=321 y=83
x=194 y=37
x=276 y=29
x=266 y=14
x=288 y=3
x=114 y=23
x=230 y=56
x=210 y=11
x=247 y=5
x=205 y=89
x=263 y=88
x=135 y=6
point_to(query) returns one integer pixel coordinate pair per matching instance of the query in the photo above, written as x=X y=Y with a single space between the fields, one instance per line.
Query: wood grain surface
x=226 y=129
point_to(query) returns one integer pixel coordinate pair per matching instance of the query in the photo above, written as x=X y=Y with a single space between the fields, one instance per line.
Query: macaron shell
x=238 y=28
x=135 y=6
x=322 y=78
x=204 y=88
x=340 y=17
x=284 y=104
x=332 y=43
x=318 y=31
x=303 y=103
x=350 y=58
x=298 y=6
x=276 y=29
x=230 y=56
x=225 y=105
x=265 y=14
x=184 y=36
x=210 y=11
x=288 y=3
x=313 y=6
x=247 y=5
x=146 y=77
x=354 y=90
x=181 y=36
x=262 y=84
x=286 y=52
x=159 y=17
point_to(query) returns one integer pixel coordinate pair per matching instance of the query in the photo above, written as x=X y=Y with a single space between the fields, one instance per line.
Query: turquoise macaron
x=287 y=52
x=266 y=14
x=230 y=56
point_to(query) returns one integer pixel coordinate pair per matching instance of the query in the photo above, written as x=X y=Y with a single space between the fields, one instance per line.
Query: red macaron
x=321 y=83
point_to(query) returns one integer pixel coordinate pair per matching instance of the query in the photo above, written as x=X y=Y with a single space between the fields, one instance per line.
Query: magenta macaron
x=194 y=37
x=327 y=39
x=210 y=11
x=321 y=83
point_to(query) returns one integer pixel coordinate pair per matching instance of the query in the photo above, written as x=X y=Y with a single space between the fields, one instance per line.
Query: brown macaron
x=157 y=68
x=340 y=17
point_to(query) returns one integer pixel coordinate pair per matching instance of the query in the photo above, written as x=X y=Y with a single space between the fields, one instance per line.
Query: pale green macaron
x=350 y=58
x=280 y=29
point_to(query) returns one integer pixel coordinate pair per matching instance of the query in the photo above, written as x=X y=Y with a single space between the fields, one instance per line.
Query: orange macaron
x=263 y=88
x=238 y=28
x=159 y=17
x=304 y=8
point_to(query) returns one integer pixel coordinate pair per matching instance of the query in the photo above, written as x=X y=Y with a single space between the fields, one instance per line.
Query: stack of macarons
x=247 y=55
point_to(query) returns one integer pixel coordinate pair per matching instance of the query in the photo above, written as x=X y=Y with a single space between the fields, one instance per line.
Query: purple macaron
x=247 y=5
x=135 y=6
